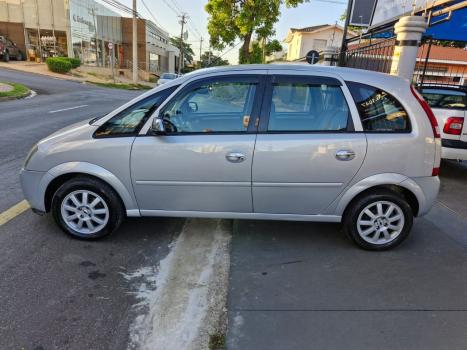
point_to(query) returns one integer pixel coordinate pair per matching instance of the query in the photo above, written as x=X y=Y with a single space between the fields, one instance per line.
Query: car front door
x=203 y=162
x=306 y=150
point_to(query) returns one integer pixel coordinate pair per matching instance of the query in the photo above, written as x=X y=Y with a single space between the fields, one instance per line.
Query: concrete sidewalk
x=305 y=286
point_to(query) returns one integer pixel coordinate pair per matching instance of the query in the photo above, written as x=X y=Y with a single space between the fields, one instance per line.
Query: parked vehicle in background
x=166 y=77
x=8 y=49
x=272 y=142
x=449 y=104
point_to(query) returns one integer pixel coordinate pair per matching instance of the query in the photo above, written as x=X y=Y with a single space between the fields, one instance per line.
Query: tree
x=256 y=52
x=188 y=53
x=230 y=20
x=208 y=59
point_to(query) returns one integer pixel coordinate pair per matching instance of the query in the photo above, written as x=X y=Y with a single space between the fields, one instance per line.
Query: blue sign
x=455 y=29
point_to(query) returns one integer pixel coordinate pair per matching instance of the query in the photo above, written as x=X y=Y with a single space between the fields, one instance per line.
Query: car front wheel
x=87 y=208
x=378 y=221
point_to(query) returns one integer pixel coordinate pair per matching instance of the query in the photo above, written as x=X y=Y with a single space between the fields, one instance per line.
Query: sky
x=315 y=12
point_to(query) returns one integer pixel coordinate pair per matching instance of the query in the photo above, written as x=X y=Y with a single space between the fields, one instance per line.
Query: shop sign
x=82 y=20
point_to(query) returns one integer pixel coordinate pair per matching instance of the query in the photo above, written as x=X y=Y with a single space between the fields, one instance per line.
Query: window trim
x=305 y=79
x=257 y=79
x=168 y=91
x=398 y=132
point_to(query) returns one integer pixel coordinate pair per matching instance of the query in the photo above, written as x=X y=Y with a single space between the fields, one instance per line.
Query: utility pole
x=344 y=35
x=200 y=52
x=183 y=19
x=135 y=44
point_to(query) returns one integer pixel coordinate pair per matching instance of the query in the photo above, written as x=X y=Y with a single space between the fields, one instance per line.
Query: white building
x=302 y=40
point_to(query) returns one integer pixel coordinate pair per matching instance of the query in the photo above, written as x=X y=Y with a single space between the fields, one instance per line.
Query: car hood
x=68 y=133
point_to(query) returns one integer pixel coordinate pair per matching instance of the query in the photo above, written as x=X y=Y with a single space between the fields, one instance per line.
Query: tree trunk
x=245 y=57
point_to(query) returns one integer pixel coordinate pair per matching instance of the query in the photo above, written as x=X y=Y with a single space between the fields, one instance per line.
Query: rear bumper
x=426 y=190
x=33 y=189
x=454 y=149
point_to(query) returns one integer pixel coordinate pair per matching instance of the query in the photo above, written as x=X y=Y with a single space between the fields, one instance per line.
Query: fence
x=435 y=64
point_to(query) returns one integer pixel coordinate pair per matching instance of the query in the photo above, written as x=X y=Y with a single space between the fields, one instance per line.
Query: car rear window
x=444 y=98
x=379 y=111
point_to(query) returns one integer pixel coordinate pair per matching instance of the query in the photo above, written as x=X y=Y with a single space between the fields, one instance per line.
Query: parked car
x=8 y=49
x=275 y=142
x=166 y=77
x=449 y=104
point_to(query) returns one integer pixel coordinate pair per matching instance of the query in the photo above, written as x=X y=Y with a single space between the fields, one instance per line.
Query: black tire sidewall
x=6 y=57
x=351 y=218
x=116 y=212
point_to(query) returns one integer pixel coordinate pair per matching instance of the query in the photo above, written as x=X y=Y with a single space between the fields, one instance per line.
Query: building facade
x=82 y=29
x=302 y=40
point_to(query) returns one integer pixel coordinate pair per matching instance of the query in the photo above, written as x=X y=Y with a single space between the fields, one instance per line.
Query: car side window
x=308 y=107
x=212 y=106
x=379 y=111
x=131 y=120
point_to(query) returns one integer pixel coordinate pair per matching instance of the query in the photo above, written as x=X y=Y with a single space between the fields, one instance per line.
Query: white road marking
x=68 y=109
x=182 y=301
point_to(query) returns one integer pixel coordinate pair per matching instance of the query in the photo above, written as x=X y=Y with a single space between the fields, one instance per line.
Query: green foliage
x=256 y=51
x=212 y=61
x=230 y=20
x=187 y=50
x=75 y=62
x=18 y=91
x=58 y=65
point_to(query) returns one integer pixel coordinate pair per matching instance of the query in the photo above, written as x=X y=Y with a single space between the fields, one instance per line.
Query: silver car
x=274 y=142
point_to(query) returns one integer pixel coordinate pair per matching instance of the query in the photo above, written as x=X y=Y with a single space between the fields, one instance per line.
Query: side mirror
x=193 y=106
x=158 y=127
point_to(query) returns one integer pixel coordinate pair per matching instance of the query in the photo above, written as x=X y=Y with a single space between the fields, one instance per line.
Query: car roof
x=351 y=74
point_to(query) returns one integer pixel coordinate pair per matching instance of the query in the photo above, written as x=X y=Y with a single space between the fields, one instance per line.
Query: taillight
x=454 y=125
x=428 y=111
x=435 y=172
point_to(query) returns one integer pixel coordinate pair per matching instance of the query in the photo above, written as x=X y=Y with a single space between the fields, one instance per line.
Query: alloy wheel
x=380 y=222
x=85 y=212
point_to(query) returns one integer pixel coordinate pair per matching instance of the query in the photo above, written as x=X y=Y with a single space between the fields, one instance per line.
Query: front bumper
x=32 y=183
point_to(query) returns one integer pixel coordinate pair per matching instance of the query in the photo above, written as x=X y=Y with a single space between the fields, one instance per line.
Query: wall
x=303 y=42
x=127 y=42
x=15 y=32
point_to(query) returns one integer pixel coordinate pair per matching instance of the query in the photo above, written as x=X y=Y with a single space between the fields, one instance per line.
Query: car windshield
x=168 y=76
x=445 y=98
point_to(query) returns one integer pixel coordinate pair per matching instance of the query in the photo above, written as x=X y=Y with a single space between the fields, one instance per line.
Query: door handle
x=345 y=155
x=235 y=157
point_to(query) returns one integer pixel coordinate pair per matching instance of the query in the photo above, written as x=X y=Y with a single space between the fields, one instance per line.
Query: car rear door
x=306 y=150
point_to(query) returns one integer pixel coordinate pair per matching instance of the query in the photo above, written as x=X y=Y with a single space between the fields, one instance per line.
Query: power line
x=150 y=13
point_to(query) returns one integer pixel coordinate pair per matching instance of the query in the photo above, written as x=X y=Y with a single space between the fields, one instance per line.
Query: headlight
x=33 y=150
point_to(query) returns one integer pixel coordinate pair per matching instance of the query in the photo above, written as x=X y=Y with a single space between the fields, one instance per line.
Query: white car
x=449 y=104
x=166 y=77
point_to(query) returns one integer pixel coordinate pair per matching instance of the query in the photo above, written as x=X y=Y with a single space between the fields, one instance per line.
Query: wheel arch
x=64 y=172
x=396 y=183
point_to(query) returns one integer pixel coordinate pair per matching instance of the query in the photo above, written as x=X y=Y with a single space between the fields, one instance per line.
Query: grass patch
x=122 y=86
x=18 y=91
x=217 y=341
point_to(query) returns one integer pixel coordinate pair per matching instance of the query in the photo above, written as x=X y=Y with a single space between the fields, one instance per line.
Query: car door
x=306 y=150
x=203 y=163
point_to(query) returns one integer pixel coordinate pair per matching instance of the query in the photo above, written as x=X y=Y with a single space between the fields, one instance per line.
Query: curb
x=28 y=94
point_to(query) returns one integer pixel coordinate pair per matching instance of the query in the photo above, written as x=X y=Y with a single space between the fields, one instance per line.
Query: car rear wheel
x=87 y=208
x=378 y=221
x=19 y=56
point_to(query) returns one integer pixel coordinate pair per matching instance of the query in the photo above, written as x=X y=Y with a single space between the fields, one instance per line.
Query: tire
x=87 y=208
x=19 y=56
x=383 y=231
x=6 y=57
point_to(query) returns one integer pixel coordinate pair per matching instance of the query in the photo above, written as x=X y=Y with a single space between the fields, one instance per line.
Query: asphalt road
x=57 y=292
